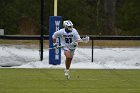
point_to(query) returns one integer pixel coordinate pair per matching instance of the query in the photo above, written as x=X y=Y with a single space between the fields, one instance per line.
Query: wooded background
x=91 y=17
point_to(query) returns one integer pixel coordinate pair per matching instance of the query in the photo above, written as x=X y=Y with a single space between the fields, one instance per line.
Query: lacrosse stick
x=56 y=47
x=85 y=39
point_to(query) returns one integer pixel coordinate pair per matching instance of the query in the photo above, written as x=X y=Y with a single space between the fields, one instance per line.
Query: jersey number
x=68 y=40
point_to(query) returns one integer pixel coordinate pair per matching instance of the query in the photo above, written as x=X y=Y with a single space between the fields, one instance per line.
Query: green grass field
x=17 y=80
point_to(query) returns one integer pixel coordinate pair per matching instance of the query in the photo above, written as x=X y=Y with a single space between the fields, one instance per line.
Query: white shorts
x=71 y=50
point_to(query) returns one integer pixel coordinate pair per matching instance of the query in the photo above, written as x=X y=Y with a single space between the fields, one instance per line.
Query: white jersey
x=67 y=37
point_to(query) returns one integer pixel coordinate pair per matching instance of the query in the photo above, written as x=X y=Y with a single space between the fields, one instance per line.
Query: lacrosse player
x=70 y=39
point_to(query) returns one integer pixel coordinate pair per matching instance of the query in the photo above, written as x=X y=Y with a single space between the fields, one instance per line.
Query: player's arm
x=55 y=36
x=54 y=40
x=77 y=39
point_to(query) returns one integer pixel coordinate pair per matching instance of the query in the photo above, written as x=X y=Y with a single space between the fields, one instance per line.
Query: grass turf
x=18 y=80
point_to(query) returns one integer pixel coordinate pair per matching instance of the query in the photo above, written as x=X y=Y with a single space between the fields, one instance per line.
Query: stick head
x=85 y=39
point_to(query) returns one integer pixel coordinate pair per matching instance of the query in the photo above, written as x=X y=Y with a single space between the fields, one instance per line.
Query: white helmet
x=68 y=25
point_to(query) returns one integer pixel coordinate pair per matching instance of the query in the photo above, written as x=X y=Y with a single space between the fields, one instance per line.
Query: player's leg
x=68 y=59
x=67 y=63
x=69 y=56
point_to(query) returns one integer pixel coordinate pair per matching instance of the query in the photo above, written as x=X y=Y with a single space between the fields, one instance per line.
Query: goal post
x=55 y=7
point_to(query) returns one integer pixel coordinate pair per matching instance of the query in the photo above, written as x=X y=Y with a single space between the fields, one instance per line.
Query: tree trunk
x=110 y=11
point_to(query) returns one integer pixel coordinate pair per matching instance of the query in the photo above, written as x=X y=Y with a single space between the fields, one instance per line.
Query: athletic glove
x=74 y=44
x=55 y=45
